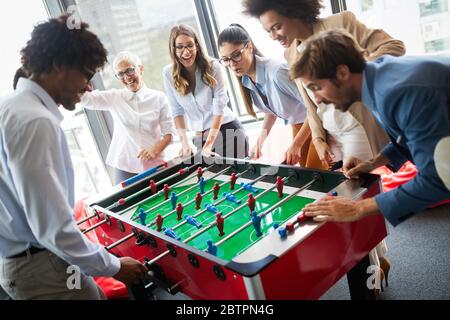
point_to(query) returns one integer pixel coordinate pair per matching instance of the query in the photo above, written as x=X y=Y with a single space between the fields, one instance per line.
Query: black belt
x=31 y=250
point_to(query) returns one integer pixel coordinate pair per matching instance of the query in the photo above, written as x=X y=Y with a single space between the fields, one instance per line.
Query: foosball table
x=221 y=228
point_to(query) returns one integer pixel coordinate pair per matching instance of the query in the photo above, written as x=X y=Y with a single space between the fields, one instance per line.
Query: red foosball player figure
x=199 y=173
x=159 y=222
x=153 y=186
x=220 y=222
x=251 y=202
x=233 y=179
x=280 y=187
x=198 y=200
x=166 y=191
x=179 y=211
x=216 y=190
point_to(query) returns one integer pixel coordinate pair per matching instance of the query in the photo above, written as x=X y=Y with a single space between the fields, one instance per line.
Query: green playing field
x=240 y=242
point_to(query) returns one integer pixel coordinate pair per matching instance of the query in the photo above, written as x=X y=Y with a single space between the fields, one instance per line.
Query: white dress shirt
x=140 y=119
x=203 y=104
x=37 y=184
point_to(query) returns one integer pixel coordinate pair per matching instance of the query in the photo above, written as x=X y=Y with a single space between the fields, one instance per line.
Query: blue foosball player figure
x=142 y=216
x=212 y=249
x=256 y=220
x=211 y=208
x=248 y=187
x=173 y=199
x=282 y=232
x=202 y=183
x=170 y=233
x=192 y=221
x=231 y=197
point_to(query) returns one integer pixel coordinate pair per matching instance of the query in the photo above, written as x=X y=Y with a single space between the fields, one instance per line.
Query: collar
x=140 y=93
x=260 y=69
x=366 y=94
x=25 y=85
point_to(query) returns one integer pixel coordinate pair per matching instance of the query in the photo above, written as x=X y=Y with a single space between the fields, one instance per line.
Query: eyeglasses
x=236 y=57
x=129 y=72
x=191 y=47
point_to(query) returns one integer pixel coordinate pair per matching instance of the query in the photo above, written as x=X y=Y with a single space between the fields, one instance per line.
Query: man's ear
x=141 y=67
x=343 y=73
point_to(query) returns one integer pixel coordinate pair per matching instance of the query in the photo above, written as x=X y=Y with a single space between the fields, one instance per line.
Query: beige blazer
x=377 y=43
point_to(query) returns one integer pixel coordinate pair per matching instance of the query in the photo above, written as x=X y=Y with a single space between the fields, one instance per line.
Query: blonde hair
x=179 y=72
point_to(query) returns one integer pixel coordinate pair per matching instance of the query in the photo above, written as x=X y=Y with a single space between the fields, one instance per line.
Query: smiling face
x=71 y=84
x=238 y=57
x=284 y=29
x=130 y=75
x=186 y=50
x=333 y=91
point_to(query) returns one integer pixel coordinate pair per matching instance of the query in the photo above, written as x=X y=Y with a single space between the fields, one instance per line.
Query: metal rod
x=193 y=200
x=220 y=201
x=262 y=215
x=119 y=242
x=116 y=204
x=94 y=226
x=187 y=190
x=213 y=224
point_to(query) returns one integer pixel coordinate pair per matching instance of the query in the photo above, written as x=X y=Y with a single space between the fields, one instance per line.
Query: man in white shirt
x=143 y=126
x=39 y=238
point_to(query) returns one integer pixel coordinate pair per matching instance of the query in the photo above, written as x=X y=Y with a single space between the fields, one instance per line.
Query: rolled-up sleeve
x=420 y=116
x=220 y=96
x=175 y=107
x=44 y=199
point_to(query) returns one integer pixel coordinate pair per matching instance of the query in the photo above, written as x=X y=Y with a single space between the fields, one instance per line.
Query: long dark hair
x=236 y=34
x=179 y=72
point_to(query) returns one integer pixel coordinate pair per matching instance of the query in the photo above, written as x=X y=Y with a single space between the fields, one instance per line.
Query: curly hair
x=179 y=72
x=306 y=10
x=53 y=43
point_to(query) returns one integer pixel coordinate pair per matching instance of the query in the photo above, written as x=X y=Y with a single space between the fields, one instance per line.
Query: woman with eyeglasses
x=197 y=93
x=265 y=83
x=143 y=127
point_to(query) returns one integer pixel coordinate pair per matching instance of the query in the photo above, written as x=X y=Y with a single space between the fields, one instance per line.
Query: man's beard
x=350 y=95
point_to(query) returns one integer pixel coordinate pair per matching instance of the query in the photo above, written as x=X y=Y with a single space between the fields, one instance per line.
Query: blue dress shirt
x=410 y=97
x=283 y=98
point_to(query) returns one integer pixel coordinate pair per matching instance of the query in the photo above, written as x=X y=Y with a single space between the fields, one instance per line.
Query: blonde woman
x=198 y=98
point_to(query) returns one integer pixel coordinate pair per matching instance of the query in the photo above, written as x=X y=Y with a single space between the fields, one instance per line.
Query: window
x=424 y=26
x=22 y=21
x=431 y=7
x=90 y=174
x=140 y=26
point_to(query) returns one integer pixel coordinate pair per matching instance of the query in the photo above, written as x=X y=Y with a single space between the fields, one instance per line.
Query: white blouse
x=140 y=120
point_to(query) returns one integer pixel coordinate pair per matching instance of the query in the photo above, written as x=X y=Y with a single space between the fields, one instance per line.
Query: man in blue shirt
x=409 y=96
x=40 y=243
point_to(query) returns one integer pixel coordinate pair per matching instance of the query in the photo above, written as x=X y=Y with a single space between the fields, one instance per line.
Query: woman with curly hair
x=197 y=93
